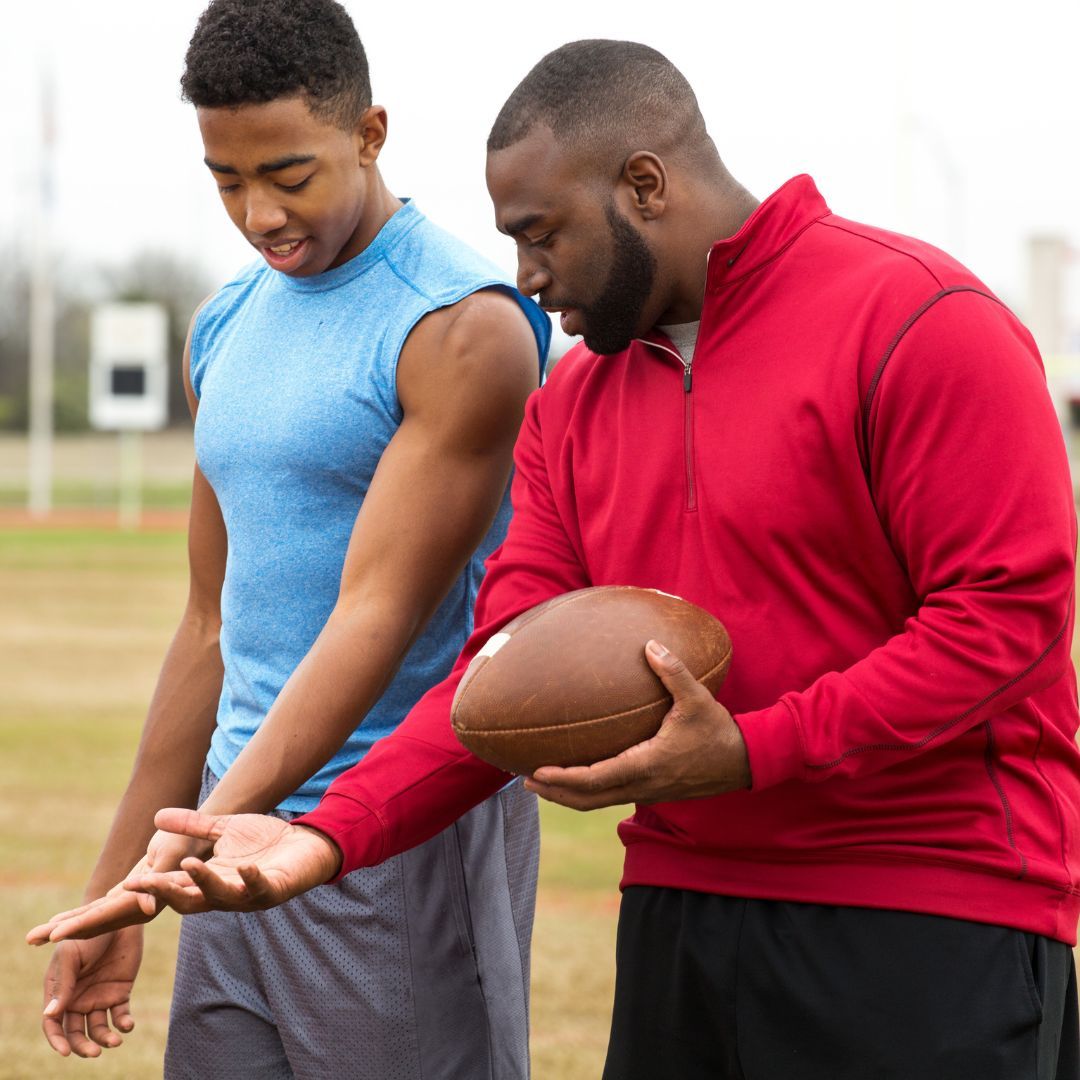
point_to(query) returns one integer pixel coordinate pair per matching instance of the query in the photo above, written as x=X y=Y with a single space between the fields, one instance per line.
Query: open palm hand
x=258 y=862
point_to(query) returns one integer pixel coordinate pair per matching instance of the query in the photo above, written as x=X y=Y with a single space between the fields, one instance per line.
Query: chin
x=607 y=344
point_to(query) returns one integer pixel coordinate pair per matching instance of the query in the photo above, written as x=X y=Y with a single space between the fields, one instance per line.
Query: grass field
x=87 y=616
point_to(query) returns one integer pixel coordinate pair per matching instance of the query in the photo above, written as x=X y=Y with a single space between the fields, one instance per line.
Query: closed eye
x=295 y=187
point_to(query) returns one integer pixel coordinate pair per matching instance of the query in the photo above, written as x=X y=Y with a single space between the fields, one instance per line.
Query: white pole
x=42 y=320
x=130 y=479
x=905 y=121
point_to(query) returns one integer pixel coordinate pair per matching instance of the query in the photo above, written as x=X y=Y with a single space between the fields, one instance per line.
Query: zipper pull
x=687 y=379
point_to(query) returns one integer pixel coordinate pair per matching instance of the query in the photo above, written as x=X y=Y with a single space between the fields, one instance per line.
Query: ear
x=370 y=134
x=645 y=175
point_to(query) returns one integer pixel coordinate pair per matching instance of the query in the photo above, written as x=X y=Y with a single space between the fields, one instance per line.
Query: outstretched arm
x=82 y=983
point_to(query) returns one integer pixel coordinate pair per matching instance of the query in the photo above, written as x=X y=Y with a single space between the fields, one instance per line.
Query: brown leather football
x=567 y=682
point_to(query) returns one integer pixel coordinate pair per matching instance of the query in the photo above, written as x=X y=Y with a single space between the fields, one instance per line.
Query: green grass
x=81 y=495
x=89 y=615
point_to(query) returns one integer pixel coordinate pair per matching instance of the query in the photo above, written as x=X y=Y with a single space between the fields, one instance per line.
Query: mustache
x=557 y=302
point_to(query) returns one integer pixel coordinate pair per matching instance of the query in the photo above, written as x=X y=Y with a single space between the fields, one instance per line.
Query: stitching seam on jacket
x=950 y=724
x=888 y=247
x=991 y=771
x=880 y=370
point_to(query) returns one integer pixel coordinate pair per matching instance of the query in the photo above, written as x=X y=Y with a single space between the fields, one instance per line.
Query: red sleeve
x=971 y=483
x=418 y=780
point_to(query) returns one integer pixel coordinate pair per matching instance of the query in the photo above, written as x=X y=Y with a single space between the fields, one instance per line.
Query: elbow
x=201 y=623
x=1047 y=657
x=1056 y=659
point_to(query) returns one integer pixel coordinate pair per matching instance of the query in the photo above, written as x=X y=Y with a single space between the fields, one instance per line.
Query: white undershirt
x=684 y=336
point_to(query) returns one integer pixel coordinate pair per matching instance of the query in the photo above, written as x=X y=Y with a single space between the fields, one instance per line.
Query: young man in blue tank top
x=357 y=394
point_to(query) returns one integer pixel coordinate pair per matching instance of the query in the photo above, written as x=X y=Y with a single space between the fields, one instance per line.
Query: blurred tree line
x=150 y=276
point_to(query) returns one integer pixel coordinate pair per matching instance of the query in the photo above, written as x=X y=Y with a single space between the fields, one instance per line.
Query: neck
x=717 y=209
x=380 y=205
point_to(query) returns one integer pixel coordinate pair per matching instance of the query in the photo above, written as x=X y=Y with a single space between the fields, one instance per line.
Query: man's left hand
x=698 y=751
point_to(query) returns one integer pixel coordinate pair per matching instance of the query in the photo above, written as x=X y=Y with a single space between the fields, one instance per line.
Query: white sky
x=989 y=152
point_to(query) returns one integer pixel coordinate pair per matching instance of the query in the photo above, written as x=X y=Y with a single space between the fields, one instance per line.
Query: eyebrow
x=266 y=167
x=519 y=225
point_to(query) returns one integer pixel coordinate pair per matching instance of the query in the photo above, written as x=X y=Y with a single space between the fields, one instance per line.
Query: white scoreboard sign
x=129 y=367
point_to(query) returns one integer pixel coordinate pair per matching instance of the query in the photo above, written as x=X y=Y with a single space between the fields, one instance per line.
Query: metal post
x=130 y=513
x=42 y=322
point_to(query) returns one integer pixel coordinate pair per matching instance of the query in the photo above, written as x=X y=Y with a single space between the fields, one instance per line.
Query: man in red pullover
x=863 y=863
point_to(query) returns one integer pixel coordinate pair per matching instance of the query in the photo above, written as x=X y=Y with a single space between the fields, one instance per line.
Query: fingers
x=122 y=1018
x=253 y=892
x=66 y=1026
x=177 y=890
x=219 y=892
x=611 y=782
x=97 y=1027
x=111 y=913
x=258 y=886
x=623 y=770
x=576 y=799
x=148 y=905
x=167 y=850
x=587 y=779
x=191 y=823
x=40 y=934
x=75 y=1031
x=673 y=673
x=59 y=984
x=53 y=1030
x=131 y=888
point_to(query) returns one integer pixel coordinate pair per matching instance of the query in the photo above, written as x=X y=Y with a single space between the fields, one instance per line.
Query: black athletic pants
x=727 y=989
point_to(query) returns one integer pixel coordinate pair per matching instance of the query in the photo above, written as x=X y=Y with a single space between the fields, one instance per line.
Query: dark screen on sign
x=129 y=381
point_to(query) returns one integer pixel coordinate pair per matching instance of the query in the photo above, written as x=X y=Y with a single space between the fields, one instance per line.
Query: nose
x=531 y=276
x=264 y=214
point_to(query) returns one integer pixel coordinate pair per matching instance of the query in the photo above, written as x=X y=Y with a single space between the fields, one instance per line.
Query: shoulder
x=468 y=368
x=879 y=284
x=485 y=332
x=220 y=305
x=435 y=262
x=900 y=261
x=215 y=313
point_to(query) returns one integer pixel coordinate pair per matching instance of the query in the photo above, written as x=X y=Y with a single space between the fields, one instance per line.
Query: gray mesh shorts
x=417 y=969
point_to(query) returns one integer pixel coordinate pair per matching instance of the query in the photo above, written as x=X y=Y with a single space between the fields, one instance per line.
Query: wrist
x=740 y=757
x=333 y=855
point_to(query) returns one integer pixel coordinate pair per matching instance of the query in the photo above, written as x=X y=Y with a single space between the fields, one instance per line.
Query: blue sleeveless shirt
x=297 y=387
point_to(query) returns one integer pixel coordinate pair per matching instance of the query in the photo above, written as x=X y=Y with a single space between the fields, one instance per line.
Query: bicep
x=463 y=378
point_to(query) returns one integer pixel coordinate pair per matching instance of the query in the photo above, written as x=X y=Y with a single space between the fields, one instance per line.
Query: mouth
x=285 y=255
x=569 y=318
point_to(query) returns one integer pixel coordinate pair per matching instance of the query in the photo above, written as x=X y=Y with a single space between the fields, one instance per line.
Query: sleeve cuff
x=773 y=745
x=357 y=831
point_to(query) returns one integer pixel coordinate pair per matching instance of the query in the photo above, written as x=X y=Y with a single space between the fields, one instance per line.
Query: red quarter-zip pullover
x=861 y=474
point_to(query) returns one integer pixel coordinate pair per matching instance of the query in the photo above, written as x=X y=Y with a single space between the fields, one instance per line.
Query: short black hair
x=603 y=93
x=246 y=52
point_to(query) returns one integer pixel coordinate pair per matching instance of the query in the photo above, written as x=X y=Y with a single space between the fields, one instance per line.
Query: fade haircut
x=608 y=97
x=247 y=52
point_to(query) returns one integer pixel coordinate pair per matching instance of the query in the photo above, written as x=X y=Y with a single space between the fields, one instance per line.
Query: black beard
x=610 y=320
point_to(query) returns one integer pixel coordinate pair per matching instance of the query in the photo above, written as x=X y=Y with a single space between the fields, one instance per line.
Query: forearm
x=344 y=674
x=172 y=748
x=412 y=785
